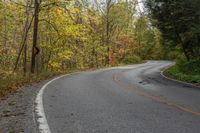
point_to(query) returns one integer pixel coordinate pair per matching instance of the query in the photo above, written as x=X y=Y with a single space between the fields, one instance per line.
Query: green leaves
x=175 y=19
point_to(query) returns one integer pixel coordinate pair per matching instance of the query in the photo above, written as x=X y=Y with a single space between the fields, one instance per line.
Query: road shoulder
x=17 y=110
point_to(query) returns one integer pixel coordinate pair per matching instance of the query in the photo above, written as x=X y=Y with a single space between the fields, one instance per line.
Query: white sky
x=141 y=5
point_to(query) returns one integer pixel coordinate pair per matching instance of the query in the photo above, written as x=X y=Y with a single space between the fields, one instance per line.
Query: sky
x=141 y=5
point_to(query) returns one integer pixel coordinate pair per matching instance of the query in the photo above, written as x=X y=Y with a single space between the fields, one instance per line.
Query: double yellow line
x=151 y=96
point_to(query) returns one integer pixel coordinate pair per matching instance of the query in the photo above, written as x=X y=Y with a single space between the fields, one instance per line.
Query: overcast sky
x=141 y=5
x=139 y=8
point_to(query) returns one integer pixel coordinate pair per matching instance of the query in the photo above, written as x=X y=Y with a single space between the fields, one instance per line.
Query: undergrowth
x=188 y=71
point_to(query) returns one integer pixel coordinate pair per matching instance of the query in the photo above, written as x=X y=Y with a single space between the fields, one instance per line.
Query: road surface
x=131 y=99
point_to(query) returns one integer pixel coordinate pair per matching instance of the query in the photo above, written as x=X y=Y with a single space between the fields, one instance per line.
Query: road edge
x=41 y=119
x=176 y=80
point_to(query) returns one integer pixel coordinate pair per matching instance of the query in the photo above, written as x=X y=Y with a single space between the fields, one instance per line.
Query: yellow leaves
x=68 y=0
x=56 y=1
x=57 y=13
x=6 y=73
x=72 y=10
x=76 y=31
x=56 y=61
x=55 y=65
x=64 y=55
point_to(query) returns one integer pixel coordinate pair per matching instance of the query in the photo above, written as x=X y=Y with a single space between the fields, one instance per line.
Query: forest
x=179 y=23
x=41 y=38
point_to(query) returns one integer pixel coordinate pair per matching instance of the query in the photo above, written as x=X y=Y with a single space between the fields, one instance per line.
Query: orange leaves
x=127 y=41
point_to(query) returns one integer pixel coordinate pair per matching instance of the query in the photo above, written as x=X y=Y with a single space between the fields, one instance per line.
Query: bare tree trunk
x=108 y=7
x=24 y=40
x=35 y=36
x=108 y=41
x=25 y=59
x=4 y=51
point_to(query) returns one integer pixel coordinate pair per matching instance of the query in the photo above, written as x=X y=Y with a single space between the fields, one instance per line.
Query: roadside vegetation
x=186 y=71
x=41 y=38
x=179 y=22
x=10 y=82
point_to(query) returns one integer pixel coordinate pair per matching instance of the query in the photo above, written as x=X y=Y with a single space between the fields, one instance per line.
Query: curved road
x=131 y=99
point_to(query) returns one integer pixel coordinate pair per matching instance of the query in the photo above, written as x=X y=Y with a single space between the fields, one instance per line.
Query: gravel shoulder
x=17 y=110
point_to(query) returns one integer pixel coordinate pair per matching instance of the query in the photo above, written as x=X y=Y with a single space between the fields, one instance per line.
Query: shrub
x=132 y=60
x=190 y=67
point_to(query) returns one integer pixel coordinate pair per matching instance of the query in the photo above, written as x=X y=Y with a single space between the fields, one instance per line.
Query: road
x=131 y=99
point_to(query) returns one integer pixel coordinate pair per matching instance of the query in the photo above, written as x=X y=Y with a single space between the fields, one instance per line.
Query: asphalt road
x=131 y=99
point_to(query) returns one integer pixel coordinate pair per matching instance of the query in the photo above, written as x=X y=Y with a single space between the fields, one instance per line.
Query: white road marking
x=42 y=121
x=39 y=108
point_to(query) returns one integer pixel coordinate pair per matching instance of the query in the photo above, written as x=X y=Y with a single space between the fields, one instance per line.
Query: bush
x=132 y=60
x=186 y=71
x=191 y=67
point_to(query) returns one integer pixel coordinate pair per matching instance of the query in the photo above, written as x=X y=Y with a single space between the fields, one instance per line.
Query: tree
x=37 y=9
x=71 y=35
x=105 y=8
x=178 y=22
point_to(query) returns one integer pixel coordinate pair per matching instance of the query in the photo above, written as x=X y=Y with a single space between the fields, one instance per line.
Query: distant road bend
x=130 y=99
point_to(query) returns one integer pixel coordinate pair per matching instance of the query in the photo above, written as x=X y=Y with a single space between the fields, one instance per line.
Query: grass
x=185 y=71
x=12 y=82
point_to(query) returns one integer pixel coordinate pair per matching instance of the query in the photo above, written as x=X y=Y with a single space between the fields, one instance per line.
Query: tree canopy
x=179 y=23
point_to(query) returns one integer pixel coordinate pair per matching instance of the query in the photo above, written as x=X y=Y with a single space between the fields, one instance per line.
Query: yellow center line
x=150 y=96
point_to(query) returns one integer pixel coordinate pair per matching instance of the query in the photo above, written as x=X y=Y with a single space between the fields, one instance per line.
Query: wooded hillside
x=52 y=35
x=47 y=36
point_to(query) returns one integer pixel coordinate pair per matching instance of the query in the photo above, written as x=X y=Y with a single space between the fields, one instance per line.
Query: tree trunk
x=35 y=35
x=108 y=6
x=108 y=42
x=24 y=40
x=25 y=58
x=5 y=47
